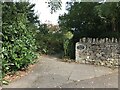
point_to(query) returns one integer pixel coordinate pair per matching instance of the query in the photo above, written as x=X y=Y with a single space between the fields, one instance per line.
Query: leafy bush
x=48 y=42
x=18 y=38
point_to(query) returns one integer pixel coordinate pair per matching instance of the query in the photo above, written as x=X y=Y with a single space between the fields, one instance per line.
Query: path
x=50 y=72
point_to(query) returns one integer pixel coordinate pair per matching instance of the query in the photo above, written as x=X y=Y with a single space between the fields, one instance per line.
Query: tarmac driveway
x=50 y=72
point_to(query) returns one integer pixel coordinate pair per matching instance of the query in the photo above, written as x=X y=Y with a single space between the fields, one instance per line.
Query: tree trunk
x=113 y=24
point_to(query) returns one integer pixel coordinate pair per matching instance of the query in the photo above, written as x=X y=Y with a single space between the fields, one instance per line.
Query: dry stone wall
x=98 y=51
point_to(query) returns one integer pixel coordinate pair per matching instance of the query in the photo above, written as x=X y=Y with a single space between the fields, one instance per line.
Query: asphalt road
x=51 y=72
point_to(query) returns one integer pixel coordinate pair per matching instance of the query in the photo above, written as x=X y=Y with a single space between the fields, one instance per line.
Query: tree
x=54 y=5
x=91 y=19
x=109 y=10
x=81 y=18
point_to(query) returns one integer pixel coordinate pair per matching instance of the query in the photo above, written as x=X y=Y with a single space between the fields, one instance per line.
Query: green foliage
x=65 y=44
x=68 y=35
x=91 y=19
x=5 y=82
x=54 y=5
x=110 y=11
x=18 y=48
x=48 y=42
x=66 y=41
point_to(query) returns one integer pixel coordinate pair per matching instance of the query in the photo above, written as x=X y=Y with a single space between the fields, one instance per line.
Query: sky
x=42 y=10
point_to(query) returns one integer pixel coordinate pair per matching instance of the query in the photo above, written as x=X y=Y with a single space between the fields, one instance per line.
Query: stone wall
x=98 y=51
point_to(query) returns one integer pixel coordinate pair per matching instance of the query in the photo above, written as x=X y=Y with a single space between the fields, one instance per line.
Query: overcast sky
x=44 y=14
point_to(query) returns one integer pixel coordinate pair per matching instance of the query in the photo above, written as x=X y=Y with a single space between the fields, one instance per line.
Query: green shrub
x=18 y=39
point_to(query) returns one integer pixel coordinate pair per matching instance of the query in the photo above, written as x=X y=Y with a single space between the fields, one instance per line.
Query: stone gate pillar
x=79 y=50
x=77 y=58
